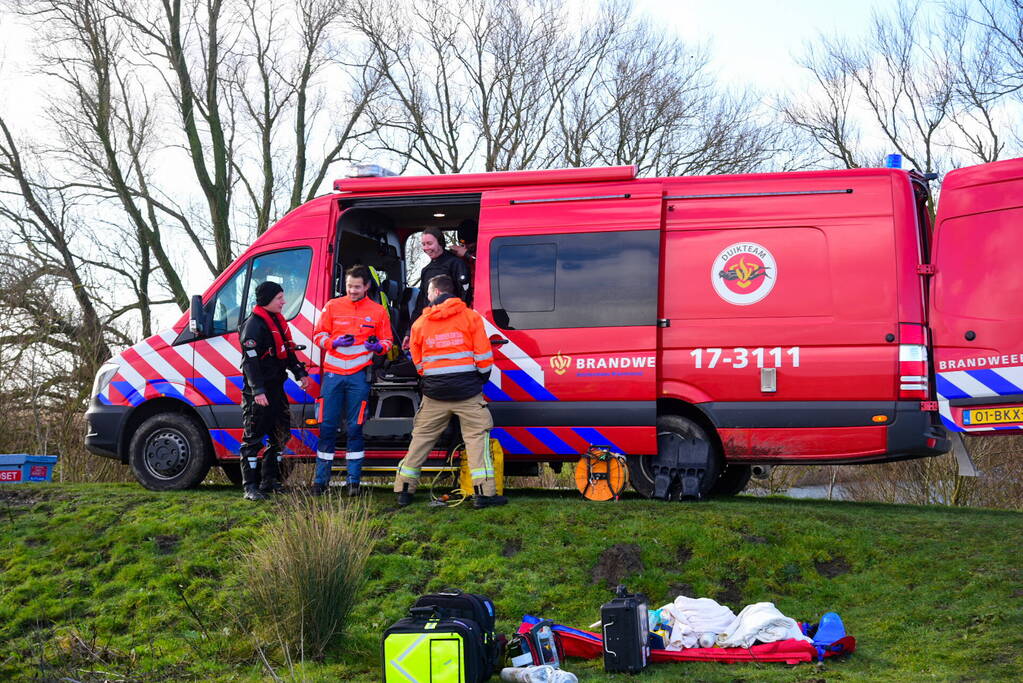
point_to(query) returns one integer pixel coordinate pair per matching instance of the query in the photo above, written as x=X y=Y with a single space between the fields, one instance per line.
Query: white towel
x=761 y=621
x=690 y=618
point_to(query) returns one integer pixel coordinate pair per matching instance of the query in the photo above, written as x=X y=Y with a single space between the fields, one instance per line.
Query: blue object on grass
x=21 y=468
x=829 y=630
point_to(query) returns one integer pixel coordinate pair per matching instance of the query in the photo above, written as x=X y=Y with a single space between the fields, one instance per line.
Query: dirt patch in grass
x=616 y=563
x=677 y=589
x=512 y=547
x=836 y=566
x=755 y=540
x=13 y=496
x=166 y=543
x=731 y=591
x=683 y=555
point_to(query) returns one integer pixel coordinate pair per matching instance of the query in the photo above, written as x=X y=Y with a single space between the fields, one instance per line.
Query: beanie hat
x=266 y=291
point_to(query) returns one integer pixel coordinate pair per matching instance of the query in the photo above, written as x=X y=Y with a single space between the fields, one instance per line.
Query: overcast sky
x=755 y=41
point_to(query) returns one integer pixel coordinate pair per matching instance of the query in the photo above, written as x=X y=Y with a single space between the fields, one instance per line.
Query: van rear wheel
x=168 y=453
x=676 y=432
x=732 y=481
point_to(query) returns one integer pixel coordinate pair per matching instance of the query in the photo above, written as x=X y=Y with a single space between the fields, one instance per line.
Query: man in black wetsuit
x=267 y=353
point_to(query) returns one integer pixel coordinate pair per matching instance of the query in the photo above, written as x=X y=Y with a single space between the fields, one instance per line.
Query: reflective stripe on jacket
x=451 y=350
x=361 y=319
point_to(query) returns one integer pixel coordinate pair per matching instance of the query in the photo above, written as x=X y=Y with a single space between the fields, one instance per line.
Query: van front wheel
x=168 y=453
x=678 y=438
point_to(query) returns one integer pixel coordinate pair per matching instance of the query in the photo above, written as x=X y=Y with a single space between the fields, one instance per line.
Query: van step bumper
x=103 y=429
x=826 y=432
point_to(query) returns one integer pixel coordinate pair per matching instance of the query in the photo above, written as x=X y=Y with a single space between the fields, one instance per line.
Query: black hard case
x=625 y=628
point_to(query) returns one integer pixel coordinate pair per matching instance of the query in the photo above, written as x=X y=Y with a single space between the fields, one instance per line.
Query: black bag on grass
x=429 y=646
x=474 y=607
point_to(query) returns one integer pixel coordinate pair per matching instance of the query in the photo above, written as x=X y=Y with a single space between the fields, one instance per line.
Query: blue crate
x=21 y=468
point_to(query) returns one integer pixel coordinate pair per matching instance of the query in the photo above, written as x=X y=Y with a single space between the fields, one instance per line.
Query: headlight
x=103 y=376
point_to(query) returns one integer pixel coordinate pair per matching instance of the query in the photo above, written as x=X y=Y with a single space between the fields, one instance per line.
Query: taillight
x=913 y=381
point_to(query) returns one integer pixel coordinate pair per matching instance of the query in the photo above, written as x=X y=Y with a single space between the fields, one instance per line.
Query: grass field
x=111 y=582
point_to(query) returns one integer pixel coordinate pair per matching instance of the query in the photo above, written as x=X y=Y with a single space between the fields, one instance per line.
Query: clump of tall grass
x=303 y=574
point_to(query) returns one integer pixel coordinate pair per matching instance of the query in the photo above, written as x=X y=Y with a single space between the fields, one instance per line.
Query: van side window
x=526 y=277
x=605 y=279
x=289 y=269
x=226 y=303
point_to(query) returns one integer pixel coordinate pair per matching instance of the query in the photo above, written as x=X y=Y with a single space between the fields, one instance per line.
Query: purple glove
x=374 y=346
x=346 y=340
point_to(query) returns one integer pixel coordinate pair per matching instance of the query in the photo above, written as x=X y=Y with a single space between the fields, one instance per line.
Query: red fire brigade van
x=701 y=326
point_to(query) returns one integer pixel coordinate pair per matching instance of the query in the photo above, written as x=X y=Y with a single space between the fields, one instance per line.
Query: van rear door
x=976 y=310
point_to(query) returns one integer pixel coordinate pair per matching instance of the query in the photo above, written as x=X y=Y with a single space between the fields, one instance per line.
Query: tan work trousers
x=432 y=418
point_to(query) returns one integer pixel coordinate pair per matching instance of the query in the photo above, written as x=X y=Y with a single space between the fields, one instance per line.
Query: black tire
x=233 y=472
x=732 y=480
x=674 y=427
x=169 y=452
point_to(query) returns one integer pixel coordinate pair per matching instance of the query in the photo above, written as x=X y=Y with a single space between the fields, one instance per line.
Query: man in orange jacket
x=453 y=354
x=350 y=330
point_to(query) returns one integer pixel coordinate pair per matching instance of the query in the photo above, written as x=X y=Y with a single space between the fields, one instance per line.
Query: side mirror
x=197 y=317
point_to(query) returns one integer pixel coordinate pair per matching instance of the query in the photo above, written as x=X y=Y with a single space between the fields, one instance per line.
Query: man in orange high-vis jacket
x=453 y=354
x=350 y=330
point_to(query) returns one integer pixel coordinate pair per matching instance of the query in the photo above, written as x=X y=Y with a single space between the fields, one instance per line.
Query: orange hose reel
x=601 y=474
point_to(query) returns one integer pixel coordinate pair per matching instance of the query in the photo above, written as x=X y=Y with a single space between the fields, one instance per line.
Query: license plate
x=993 y=416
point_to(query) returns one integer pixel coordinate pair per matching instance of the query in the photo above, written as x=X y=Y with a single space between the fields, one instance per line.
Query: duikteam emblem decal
x=744 y=273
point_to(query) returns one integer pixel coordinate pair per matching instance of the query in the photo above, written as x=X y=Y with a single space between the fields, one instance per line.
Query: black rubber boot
x=318 y=489
x=404 y=497
x=253 y=493
x=480 y=501
x=270 y=486
x=355 y=489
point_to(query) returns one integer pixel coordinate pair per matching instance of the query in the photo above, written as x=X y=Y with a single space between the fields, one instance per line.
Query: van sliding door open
x=567 y=281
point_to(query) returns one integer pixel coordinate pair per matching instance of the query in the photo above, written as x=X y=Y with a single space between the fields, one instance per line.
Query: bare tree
x=505 y=85
x=897 y=76
x=286 y=62
x=940 y=93
x=827 y=117
x=195 y=40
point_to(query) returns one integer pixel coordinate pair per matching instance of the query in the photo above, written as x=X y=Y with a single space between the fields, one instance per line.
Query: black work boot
x=318 y=489
x=355 y=489
x=479 y=501
x=270 y=486
x=252 y=492
x=404 y=497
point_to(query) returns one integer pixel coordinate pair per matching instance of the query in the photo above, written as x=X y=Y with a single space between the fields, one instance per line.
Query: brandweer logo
x=560 y=363
x=743 y=273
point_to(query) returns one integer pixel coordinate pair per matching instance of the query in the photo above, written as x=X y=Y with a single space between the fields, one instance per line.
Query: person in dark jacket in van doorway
x=453 y=354
x=442 y=262
x=267 y=353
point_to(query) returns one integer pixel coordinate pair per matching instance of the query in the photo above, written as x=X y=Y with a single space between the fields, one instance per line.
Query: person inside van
x=442 y=262
x=468 y=233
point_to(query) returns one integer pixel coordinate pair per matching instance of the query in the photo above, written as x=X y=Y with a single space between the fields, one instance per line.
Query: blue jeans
x=347 y=394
